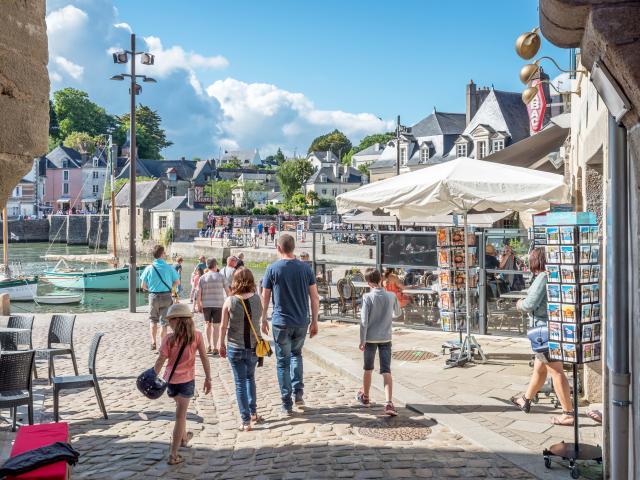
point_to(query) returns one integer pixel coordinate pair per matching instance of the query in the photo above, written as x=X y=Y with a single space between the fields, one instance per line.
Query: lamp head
x=147 y=59
x=528 y=72
x=528 y=44
x=529 y=94
x=117 y=77
x=120 y=57
x=149 y=80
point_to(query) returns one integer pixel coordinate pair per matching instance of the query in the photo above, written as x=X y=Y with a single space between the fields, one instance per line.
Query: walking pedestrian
x=240 y=260
x=293 y=284
x=272 y=232
x=179 y=348
x=241 y=315
x=159 y=279
x=212 y=288
x=195 y=280
x=229 y=269
x=178 y=268
x=379 y=308
x=202 y=262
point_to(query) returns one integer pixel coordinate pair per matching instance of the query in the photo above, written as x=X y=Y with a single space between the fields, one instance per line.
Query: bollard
x=371 y=254
x=5 y=304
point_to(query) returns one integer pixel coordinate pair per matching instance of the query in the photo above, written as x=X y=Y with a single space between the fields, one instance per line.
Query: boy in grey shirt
x=379 y=308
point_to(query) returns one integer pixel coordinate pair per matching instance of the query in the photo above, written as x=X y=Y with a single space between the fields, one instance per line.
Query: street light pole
x=132 y=181
x=398 y=146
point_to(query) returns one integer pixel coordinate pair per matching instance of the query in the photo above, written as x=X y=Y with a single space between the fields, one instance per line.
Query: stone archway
x=24 y=90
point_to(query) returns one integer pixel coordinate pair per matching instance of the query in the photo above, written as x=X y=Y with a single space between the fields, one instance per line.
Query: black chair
x=81 y=381
x=8 y=342
x=23 y=321
x=326 y=300
x=15 y=382
x=59 y=342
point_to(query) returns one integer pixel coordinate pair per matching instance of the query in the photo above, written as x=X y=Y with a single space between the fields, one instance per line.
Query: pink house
x=61 y=175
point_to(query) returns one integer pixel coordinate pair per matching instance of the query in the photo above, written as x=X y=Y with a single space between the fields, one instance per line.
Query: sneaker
x=390 y=410
x=363 y=399
x=286 y=412
x=299 y=401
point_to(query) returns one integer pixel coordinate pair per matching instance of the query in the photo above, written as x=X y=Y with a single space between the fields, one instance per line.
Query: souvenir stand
x=573 y=295
x=457 y=254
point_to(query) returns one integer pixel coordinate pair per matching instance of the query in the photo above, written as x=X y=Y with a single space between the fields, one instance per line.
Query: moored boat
x=110 y=279
x=19 y=289
x=56 y=299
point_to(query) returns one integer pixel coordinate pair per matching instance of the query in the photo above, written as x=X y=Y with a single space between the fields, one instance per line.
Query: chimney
x=471 y=100
x=336 y=170
x=328 y=156
x=190 y=195
x=167 y=194
x=376 y=147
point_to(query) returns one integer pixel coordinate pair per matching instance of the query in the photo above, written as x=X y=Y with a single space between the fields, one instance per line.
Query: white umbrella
x=462 y=184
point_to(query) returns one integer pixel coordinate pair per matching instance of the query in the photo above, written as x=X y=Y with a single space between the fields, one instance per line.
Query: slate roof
x=354 y=175
x=322 y=156
x=175 y=203
x=143 y=190
x=515 y=114
x=185 y=169
x=371 y=150
x=440 y=123
x=56 y=156
x=252 y=155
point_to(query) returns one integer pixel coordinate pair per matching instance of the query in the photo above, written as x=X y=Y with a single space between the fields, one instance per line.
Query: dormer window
x=95 y=161
x=481 y=149
x=403 y=155
x=65 y=163
x=461 y=150
x=498 y=145
x=424 y=154
x=323 y=178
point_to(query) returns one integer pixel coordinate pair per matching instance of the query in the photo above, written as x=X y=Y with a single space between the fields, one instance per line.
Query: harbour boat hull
x=58 y=299
x=100 y=280
x=19 y=290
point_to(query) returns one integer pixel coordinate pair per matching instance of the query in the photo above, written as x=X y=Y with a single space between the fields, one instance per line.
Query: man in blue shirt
x=293 y=284
x=159 y=279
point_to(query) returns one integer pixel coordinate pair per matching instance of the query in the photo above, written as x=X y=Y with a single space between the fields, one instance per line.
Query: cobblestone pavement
x=322 y=441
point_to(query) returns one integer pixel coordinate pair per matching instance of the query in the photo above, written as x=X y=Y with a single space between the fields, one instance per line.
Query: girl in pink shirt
x=195 y=279
x=182 y=384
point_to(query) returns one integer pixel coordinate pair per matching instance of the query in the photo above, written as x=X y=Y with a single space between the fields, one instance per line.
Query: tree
x=279 y=157
x=233 y=162
x=249 y=187
x=53 y=122
x=364 y=169
x=292 y=175
x=312 y=197
x=335 y=141
x=220 y=191
x=150 y=136
x=82 y=142
x=75 y=112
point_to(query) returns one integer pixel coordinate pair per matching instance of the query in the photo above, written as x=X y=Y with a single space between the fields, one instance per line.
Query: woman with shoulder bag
x=241 y=315
x=536 y=306
x=179 y=348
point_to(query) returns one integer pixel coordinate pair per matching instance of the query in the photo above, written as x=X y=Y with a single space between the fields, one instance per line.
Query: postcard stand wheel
x=573 y=451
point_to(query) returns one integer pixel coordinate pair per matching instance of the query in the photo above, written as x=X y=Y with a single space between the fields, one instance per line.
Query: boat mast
x=5 y=239
x=113 y=203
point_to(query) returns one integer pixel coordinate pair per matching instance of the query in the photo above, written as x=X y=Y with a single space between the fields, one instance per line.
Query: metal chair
x=347 y=294
x=23 y=321
x=15 y=382
x=81 y=381
x=59 y=342
x=326 y=300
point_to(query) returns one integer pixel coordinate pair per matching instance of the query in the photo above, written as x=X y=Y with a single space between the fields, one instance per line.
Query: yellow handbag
x=263 y=349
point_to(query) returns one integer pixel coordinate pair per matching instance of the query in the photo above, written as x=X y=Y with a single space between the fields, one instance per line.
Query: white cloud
x=124 y=26
x=73 y=70
x=66 y=19
x=263 y=115
x=176 y=57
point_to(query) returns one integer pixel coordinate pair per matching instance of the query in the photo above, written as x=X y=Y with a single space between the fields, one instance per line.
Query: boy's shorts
x=384 y=354
x=185 y=390
x=212 y=314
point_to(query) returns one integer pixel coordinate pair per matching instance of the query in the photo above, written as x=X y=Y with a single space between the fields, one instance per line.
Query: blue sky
x=278 y=73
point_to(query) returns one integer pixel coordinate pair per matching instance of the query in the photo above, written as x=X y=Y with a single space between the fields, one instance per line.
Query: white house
x=322 y=159
x=368 y=155
x=180 y=215
x=329 y=182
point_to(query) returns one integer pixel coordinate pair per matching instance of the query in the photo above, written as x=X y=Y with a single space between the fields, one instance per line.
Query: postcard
x=555 y=351
x=596 y=330
x=596 y=351
x=460 y=279
x=553 y=312
x=595 y=292
x=567 y=254
x=567 y=235
x=569 y=333
x=445 y=278
x=444 y=257
x=568 y=273
x=457 y=236
x=587 y=332
x=553 y=254
x=585 y=273
x=595 y=253
x=584 y=254
x=568 y=293
x=553 y=293
x=587 y=353
x=447 y=321
x=569 y=352
x=585 y=313
x=595 y=233
x=553 y=235
x=472 y=256
x=446 y=301
x=569 y=313
x=595 y=312
x=555 y=331
x=595 y=273
x=553 y=273
x=585 y=293
x=457 y=257
x=442 y=236
x=584 y=234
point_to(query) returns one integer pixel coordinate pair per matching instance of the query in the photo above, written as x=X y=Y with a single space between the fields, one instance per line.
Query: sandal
x=175 y=459
x=153 y=346
x=185 y=443
x=209 y=350
x=525 y=406
x=255 y=418
x=595 y=415
x=245 y=427
x=564 y=422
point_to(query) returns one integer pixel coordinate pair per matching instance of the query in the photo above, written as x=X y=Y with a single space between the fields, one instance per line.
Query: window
x=424 y=154
x=403 y=155
x=498 y=145
x=324 y=191
x=96 y=188
x=17 y=192
x=65 y=164
x=65 y=175
x=461 y=150
x=323 y=178
x=95 y=162
x=96 y=174
x=65 y=188
x=482 y=150
x=162 y=222
x=172 y=191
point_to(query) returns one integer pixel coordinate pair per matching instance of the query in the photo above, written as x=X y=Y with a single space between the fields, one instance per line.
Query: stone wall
x=79 y=229
x=24 y=90
x=28 y=230
x=58 y=228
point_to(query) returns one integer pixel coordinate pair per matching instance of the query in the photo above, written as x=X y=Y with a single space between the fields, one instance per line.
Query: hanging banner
x=537 y=108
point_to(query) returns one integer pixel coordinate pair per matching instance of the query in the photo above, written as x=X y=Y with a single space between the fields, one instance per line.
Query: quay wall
x=36 y=230
x=92 y=230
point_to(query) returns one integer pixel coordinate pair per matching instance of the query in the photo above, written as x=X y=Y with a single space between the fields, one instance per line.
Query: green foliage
x=279 y=157
x=220 y=190
x=227 y=210
x=335 y=141
x=364 y=169
x=75 y=112
x=312 y=197
x=52 y=143
x=292 y=174
x=150 y=136
x=271 y=209
x=146 y=235
x=82 y=142
x=167 y=236
x=326 y=203
x=53 y=123
x=233 y=162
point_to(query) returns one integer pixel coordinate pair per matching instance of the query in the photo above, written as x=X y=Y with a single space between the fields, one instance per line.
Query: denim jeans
x=243 y=363
x=288 y=343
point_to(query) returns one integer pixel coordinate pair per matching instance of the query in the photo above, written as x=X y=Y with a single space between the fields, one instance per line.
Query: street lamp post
x=400 y=130
x=135 y=89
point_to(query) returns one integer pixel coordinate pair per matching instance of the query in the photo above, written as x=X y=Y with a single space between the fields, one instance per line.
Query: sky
x=277 y=73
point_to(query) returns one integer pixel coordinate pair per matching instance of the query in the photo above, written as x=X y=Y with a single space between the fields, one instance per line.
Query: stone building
x=22 y=202
x=329 y=182
x=179 y=216
x=24 y=84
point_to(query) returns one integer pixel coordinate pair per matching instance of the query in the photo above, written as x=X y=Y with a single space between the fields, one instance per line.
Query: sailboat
x=19 y=288
x=109 y=279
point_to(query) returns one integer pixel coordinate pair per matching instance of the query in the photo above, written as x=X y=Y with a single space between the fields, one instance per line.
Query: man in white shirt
x=230 y=269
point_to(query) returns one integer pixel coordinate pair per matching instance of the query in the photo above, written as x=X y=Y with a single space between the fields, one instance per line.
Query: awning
x=476 y=219
x=64 y=200
x=89 y=200
x=533 y=151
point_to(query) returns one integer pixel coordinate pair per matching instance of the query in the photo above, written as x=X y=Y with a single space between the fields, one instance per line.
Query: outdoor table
x=13 y=330
x=360 y=284
x=417 y=291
